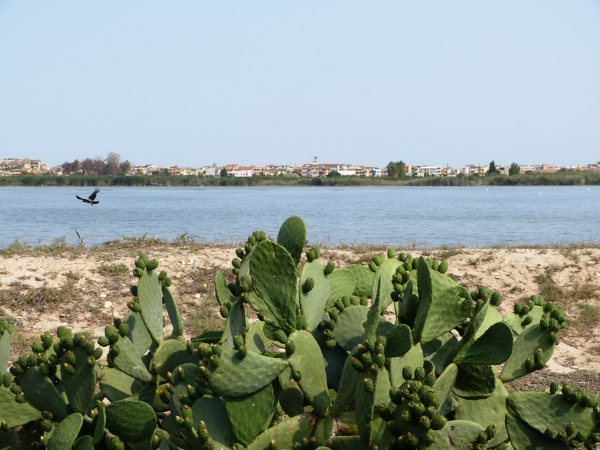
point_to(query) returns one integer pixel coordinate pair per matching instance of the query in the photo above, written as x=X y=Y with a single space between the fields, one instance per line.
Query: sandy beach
x=84 y=289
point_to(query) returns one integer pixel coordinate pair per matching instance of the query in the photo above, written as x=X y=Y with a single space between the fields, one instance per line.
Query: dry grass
x=113 y=270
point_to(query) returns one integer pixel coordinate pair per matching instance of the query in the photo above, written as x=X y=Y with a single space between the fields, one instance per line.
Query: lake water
x=435 y=216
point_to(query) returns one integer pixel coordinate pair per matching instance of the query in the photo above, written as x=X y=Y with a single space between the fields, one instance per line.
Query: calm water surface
x=475 y=216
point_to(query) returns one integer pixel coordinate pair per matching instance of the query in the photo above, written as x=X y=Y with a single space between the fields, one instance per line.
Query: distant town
x=113 y=165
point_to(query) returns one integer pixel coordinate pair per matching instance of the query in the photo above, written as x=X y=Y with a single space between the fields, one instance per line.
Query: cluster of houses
x=16 y=166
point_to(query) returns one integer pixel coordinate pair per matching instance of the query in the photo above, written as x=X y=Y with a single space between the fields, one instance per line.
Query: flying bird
x=91 y=199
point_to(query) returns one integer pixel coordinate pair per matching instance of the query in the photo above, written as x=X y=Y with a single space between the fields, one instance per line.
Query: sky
x=192 y=83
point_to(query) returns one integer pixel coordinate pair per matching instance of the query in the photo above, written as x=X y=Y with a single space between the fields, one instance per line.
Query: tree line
x=112 y=165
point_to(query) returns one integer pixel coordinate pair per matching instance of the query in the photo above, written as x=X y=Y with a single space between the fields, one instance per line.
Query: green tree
x=334 y=173
x=492 y=170
x=223 y=172
x=125 y=166
x=514 y=169
x=396 y=169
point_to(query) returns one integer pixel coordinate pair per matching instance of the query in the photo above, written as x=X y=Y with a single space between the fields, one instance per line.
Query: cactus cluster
x=322 y=367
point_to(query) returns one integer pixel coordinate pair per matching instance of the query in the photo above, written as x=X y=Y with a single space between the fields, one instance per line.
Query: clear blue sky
x=257 y=82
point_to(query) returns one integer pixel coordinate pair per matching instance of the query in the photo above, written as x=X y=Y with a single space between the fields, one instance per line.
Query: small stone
x=205 y=285
x=39 y=279
x=197 y=296
x=116 y=314
x=31 y=269
x=103 y=295
x=107 y=305
x=62 y=316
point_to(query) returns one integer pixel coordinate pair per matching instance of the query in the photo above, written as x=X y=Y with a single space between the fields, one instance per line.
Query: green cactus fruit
x=224 y=312
x=438 y=422
x=329 y=268
x=554 y=387
x=6 y=379
x=424 y=423
x=368 y=385
x=391 y=253
x=310 y=255
x=16 y=389
x=372 y=267
x=570 y=428
x=407 y=372
x=134 y=307
x=554 y=325
x=242 y=351
x=235 y=262
x=280 y=336
x=152 y=264
x=97 y=354
x=333 y=315
x=496 y=298
x=419 y=373
x=357 y=364
x=70 y=357
x=528 y=319
x=378 y=259
x=245 y=284
x=435 y=265
x=111 y=334
x=429 y=262
x=238 y=341
x=308 y=285
x=137 y=272
x=297 y=375
x=517 y=308
x=545 y=321
x=103 y=341
x=239 y=252
x=529 y=364
x=331 y=343
x=123 y=329
x=62 y=332
x=317 y=252
x=37 y=347
x=290 y=348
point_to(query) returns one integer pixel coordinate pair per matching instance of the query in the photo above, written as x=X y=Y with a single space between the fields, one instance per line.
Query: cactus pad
x=64 y=434
x=313 y=302
x=363 y=278
x=292 y=236
x=250 y=415
x=524 y=347
x=150 y=300
x=131 y=420
x=308 y=360
x=274 y=278
x=342 y=284
x=237 y=376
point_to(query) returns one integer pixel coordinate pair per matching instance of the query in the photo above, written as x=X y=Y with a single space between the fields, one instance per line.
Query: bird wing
x=93 y=196
x=83 y=199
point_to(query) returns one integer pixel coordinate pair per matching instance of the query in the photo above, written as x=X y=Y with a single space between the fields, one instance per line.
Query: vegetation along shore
x=561 y=178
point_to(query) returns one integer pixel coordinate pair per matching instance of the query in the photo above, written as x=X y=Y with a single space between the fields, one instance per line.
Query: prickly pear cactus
x=322 y=367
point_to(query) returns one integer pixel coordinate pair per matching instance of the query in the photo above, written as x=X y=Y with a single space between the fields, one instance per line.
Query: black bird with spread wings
x=91 y=199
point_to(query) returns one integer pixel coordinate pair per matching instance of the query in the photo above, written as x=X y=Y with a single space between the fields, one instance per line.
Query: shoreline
x=560 y=178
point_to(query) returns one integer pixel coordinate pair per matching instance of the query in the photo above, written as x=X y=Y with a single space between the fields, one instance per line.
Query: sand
x=84 y=289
